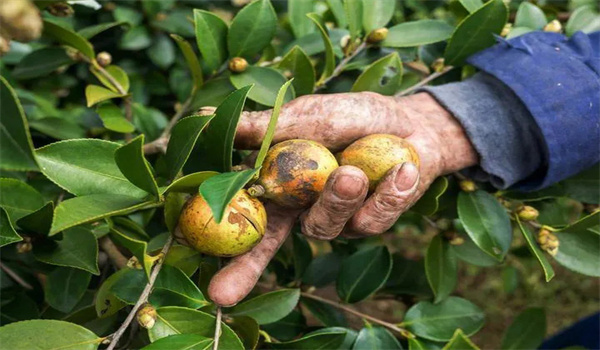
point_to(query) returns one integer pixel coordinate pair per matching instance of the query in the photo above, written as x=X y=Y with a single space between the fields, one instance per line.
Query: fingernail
x=406 y=177
x=347 y=187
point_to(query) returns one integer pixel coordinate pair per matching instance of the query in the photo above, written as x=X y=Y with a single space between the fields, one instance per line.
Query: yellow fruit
x=238 y=65
x=378 y=153
x=294 y=173
x=242 y=227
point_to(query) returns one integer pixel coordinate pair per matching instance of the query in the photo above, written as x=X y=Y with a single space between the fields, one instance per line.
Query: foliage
x=94 y=169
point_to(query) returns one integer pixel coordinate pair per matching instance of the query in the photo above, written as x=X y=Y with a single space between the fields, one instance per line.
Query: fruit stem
x=256 y=191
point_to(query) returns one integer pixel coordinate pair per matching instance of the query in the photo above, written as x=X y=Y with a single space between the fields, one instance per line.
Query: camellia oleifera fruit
x=242 y=227
x=294 y=173
x=378 y=153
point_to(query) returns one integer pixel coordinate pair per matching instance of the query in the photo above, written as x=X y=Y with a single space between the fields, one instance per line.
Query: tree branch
x=217 y=328
x=15 y=277
x=114 y=254
x=144 y=296
x=425 y=81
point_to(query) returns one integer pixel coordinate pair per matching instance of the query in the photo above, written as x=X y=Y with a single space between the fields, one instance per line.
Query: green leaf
x=8 y=235
x=530 y=16
x=55 y=334
x=80 y=210
x=476 y=32
x=584 y=186
x=86 y=166
x=354 y=17
x=327 y=314
x=486 y=222
x=106 y=303
x=135 y=244
x=408 y=277
x=438 y=322
x=15 y=141
x=536 y=251
x=288 y=328
x=329 y=54
x=174 y=202
x=192 y=61
x=416 y=33
x=92 y=31
x=527 y=331
x=77 y=249
x=269 y=307
x=65 y=286
x=375 y=338
x=184 y=258
x=162 y=52
x=441 y=268
x=471 y=5
x=460 y=341
x=302 y=254
x=518 y=31
x=337 y=9
x=219 y=190
x=297 y=11
x=113 y=118
x=181 y=342
x=67 y=37
x=18 y=199
x=265 y=81
x=182 y=141
x=41 y=62
x=354 y=284
x=298 y=64
x=270 y=133
x=190 y=183
x=430 y=201
x=58 y=128
x=382 y=76
x=323 y=270
x=584 y=223
x=117 y=73
x=211 y=36
x=19 y=308
x=252 y=29
x=246 y=329
x=376 y=14
x=177 y=320
x=216 y=144
x=470 y=252
x=585 y=19
x=579 y=252
x=312 y=341
x=130 y=160
x=96 y=94
x=136 y=38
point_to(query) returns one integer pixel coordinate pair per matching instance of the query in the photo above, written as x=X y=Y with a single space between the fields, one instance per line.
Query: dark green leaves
x=219 y=190
x=460 y=341
x=65 y=286
x=298 y=64
x=579 y=251
x=322 y=340
x=430 y=201
x=298 y=9
x=536 y=251
x=76 y=249
x=426 y=31
x=182 y=141
x=55 y=335
x=41 y=62
x=269 y=307
x=133 y=165
x=192 y=61
x=19 y=199
x=265 y=81
x=354 y=284
x=375 y=338
x=354 y=17
x=441 y=268
x=584 y=186
x=376 y=14
x=527 y=330
x=181 y=342
x=211 y=36
x=475 y=32
x=106 y=303
x=15 y=141
x=382 y=76
x=252 y=29
x=439 y=321
x=329 y=54
x=70 y=38
x=486 y=222
x=190 y=183
x=8 y=234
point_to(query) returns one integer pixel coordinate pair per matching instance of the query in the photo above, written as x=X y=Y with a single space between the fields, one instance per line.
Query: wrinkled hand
x=343 y=208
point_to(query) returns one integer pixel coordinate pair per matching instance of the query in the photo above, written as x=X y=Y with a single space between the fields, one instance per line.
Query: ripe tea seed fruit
x=378 y=153
x=242 y=227
x=294 y=173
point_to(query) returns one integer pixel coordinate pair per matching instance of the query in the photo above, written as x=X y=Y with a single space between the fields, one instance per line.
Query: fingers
x=396 y=193
x=343 y=195
x=232 y=283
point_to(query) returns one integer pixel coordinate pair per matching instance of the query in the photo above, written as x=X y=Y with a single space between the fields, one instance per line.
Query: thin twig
x=416 y=67
x=160 y=144
x=143 y=297
x=15 y=277
x=217 y=328
x=115 y=256
x=425 y=81
x=340 y=67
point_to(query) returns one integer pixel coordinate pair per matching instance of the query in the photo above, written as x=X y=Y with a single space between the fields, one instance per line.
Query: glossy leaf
x=320 y=340
x=265 y=81
x=190 y=183
x=302 y=254
x=408 y=277
x=288 y=328
x=95 y=94
x=19 y=199
x=118 y=74
x=441 y=268
x=41 y=62
x=376 y=14
x=184 y=258
x=486 y=222
x=327 y=314
x=329 y=54
x=55 y=334
x=15 y=141
x=192 y=61
x=471 y=5
x=438 y=322
x=174 y=202
x=579 y=251
x=219 y=190
x=162 y=52
x=536 y=251
x=106 y=303
x=77 y=249
x=252 y=29
x=354 y=284
x=135 y=244
x=584 y=186
x=375 y=338
x=58 y=128
x=468 y=251
x=518 y=31
x=113 y=118
x=298 y=64
x=70 y=38
x=584 y=223
x=8 y=235
x=354 y=17
x=337 y=9
x=460 y=341
x=297 y=11
x=269 y=307
x=181 y=342
x=135 y=39
x=211 y=36
x=530 y=16
x=416 y=33
x=130 y=160
x=527 y=331
x=270 y=133
x=323 y=270
x=65 y=287
x=429 y=203
x=246 y=329
x=177 y=320
x=92 y=31
x=382 y=76
x=476 y=32
x=584 y=18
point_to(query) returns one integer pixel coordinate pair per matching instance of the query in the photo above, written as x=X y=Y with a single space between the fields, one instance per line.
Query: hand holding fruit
x=336 y=121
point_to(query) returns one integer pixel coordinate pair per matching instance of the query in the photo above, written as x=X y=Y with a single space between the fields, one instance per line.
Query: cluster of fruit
x=293 y=175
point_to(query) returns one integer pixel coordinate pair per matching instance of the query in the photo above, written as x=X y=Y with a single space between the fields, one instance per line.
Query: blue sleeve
x=558 y=81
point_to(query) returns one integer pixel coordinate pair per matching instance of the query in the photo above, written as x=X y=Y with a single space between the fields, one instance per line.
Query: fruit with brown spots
x=378 y=153
x=242 y=227
x=294 y=173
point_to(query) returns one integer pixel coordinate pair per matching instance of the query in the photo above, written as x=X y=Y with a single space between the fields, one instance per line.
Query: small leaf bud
x=527 y=213
x=554 y=27
x=104 y=58
x=467 y=186
x=146 y=316
x=377 y=36
x=238 y=65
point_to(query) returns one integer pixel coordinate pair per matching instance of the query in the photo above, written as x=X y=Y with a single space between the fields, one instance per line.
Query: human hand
x=336 y=121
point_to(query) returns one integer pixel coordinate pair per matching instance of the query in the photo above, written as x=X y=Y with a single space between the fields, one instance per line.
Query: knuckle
x=317 y=230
